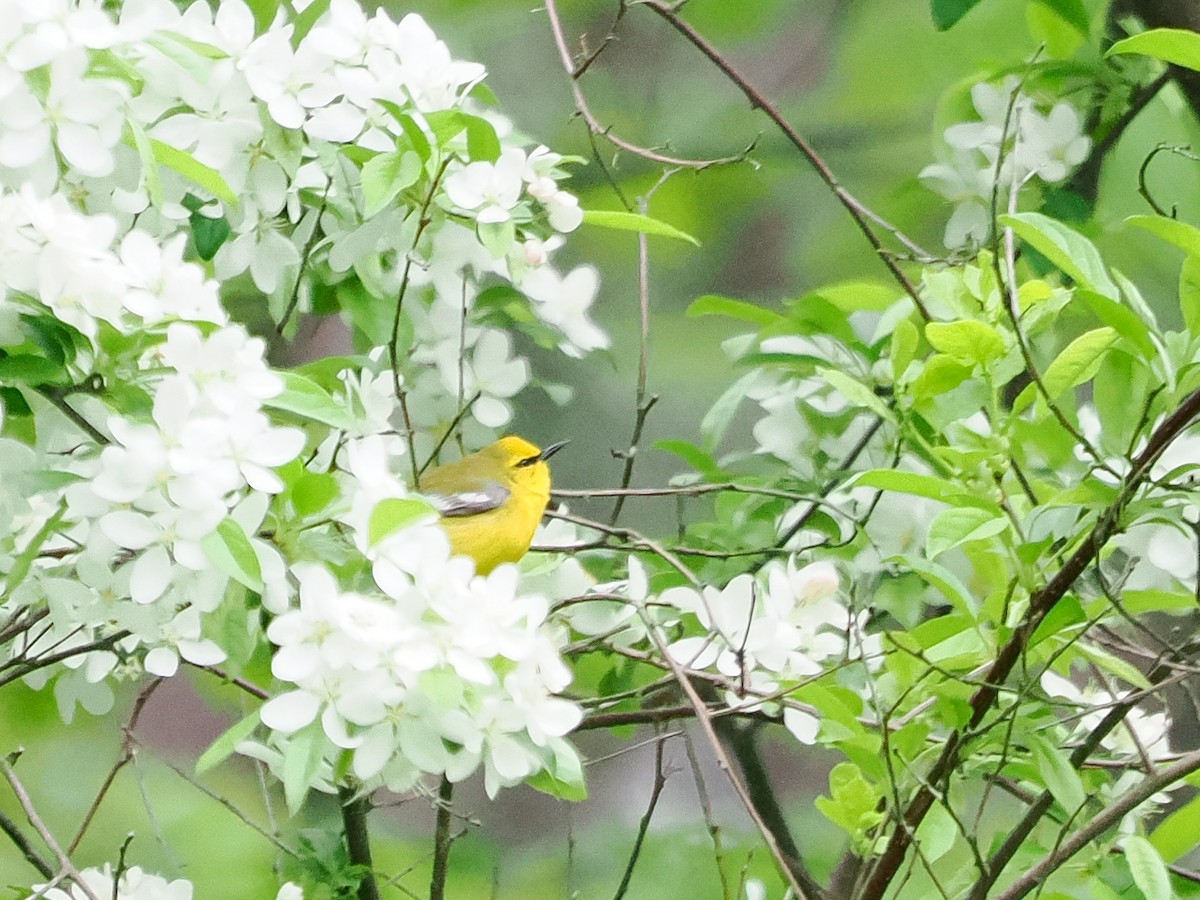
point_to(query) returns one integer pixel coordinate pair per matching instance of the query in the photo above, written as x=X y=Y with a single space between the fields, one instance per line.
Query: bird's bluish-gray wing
x=469 y=503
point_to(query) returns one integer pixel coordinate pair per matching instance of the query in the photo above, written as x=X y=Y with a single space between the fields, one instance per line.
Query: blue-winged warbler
x=492 y=501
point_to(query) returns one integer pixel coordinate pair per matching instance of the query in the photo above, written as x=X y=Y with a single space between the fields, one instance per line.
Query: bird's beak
x=551 y=450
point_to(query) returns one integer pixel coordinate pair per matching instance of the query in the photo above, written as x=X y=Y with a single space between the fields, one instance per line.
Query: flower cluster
x=428 y=668
x=136 y=884
x=764 y=634
x=155 y=487
x=145 y=491
x=1047 y=144
x=1140 y=734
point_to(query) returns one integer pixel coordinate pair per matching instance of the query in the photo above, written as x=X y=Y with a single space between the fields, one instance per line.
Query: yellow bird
x=492 y=501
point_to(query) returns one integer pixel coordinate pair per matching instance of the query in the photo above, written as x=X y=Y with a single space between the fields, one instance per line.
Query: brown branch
x=1041 y=603
x=442 y=840
x=1106 y=819
x=857 y=210
x=358 y=838
x=803 y=885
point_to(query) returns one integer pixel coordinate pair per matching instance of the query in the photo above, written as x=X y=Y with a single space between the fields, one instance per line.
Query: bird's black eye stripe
x=528 y=461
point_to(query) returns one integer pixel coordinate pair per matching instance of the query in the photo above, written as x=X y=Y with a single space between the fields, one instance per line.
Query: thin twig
x=594 y=125
x=853 y=206
x=423 y=222
x=64 y=862
x=127 y=751
x=10 y=828
x=309 y=245
x=642 y=403
x=660 y=782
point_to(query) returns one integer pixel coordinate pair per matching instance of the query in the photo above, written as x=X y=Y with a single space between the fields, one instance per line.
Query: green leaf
x=967 y=341
x=307 y=399
x=228 y=548
x=947 y=583
x=856 y=392
x=1049 y=23
x=1117 y=315
x=1059 y=776
x=563 y=776
x=446 y=124
x=936 y=833
x=304 y=22
x=264 y=14
x=1153 y=600
x=193 y=170
x=721 y=413
x=1078 y=363
x=482 y=142
x=136 y=135
x=946 y=13
x=956 y=526
x=496 y=237
x=716 y=305
x=905 y=338
x=1066 y=248
x=1189 y=295
x=416 y=136
x=853 y=296
x=226 y=745
x=1179 y=833
x=208 y=233
x=1073 y=12
x=386 y=175
x=1184 y=236
x=301 y=762
x=941 y=375
x=26 y=368
x=853 y=804
x=627 y=221
x=1114 y=665
x=394 y=513
x=699 y=460
x=58 y=341
x=20 y=566
x=312 y=492
x=1062 y=619
x=1172 y=45
x=1148 y=869
x=920 y=485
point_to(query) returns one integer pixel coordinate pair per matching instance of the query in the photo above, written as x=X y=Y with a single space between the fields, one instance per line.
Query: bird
x=490 y=502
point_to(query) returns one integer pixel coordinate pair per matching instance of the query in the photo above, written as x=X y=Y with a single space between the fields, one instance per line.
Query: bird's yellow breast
x=511 y=468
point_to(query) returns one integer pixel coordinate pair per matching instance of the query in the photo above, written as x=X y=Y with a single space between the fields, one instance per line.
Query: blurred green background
x=870 y=84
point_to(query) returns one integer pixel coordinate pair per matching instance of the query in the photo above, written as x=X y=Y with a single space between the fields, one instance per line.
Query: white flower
x=564 y=212
x=1052 y=145
x=1139 y=731
x=490 y=372
x=564 y=303
x=162 y=285
x=1049 y=146
x=134 y=884
x=490 y=190
x=181 y=638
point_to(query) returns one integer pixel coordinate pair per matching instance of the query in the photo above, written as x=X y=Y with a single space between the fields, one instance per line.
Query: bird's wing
x=481 y=499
